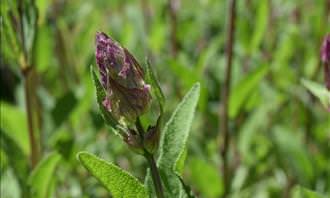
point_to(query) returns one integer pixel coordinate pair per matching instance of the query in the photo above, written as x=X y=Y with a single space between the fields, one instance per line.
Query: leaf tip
x=81 y=156
x=196 y=87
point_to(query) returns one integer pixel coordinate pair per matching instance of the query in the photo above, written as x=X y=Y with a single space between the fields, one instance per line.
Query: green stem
x=28 y=103
x=151 y=161
x=29 y=83
x=155 y=174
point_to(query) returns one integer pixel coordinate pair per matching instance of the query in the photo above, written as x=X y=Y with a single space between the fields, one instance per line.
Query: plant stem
x=29 y=84
x=151 y=161
x=28 y=103
x=155 y=174
x=225 y=96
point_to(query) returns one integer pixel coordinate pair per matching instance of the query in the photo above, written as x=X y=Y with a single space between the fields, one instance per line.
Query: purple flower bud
x=325 y=50
x=122 y=77
x=325 y=57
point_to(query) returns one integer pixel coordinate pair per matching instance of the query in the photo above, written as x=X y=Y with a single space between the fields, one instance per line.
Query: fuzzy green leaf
x=176 y=131
x=318 y=91
x=173 y=144
x=41 y=177
x=117 y=181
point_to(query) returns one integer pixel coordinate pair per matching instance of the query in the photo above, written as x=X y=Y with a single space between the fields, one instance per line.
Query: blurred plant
x=277 y=136
x=20 y=22
x=123 y=96
x=19 y=32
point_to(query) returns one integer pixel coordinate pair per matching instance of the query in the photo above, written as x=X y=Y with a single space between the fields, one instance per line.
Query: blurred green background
x=280 y=132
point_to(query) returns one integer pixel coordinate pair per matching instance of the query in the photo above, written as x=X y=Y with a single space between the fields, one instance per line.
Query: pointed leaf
x=151 y=78
x=318 y=91
x=117 y=181
x=41 y=177
x=173 y=144
x=176 y=131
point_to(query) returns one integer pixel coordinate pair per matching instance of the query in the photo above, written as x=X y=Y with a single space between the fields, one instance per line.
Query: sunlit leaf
x=173 y=143
x=117 y=181
x=176 y=131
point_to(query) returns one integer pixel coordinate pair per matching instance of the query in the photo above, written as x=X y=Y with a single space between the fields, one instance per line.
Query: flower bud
x=127 y=95
x=325 y=50
x=152 y=136
x=325 y=57
x=134 y=141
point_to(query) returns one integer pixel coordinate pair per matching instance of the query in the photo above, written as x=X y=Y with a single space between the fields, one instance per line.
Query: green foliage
x=14 y=124
x=318 y=91
x=173 y=143
x=117 y=181
x=261 y=25
x=293 y=155
x=301 y=192
x=244 y=88
x=279 y=106
x=16 y=160
x=209 y=183
x=176 y=131
x=41 y=179
x=63 y=107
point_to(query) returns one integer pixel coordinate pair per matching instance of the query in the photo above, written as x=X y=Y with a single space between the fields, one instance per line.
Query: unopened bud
x=127 y=95
x=325 y=57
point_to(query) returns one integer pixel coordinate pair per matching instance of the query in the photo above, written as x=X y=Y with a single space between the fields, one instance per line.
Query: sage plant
x=124 y=93
x=325 y=57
